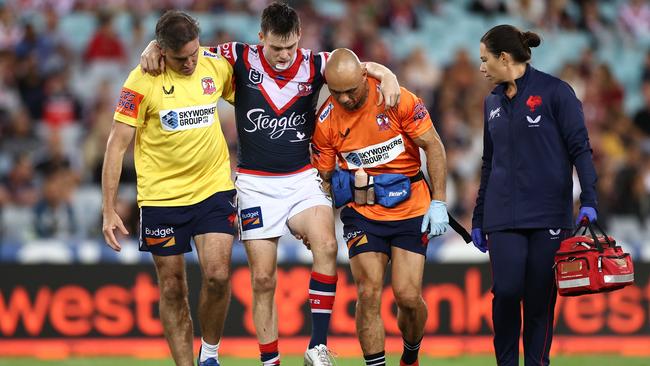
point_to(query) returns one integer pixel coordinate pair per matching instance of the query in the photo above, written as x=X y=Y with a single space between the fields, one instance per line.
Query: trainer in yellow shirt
x=183 y=177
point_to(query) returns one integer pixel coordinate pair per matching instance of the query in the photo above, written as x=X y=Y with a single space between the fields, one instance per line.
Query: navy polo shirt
x=531 y=144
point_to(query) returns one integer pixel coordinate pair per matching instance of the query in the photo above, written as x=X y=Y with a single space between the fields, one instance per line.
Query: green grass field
x=297 y=361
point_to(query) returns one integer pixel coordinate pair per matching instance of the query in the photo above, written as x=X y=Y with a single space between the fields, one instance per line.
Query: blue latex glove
x=436 y=218
x=588 y=212
x=479 y=240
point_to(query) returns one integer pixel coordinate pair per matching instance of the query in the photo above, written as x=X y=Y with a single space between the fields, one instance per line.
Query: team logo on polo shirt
x=251 y=218
x=533 y=102
x=208 y=86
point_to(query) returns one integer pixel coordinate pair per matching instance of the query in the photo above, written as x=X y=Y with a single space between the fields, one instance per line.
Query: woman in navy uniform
x=534 y=135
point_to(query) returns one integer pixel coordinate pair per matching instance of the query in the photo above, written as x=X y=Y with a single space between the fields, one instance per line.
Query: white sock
x=209 y=351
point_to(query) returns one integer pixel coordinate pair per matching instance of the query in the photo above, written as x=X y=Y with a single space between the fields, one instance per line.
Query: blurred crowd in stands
x=62 y=63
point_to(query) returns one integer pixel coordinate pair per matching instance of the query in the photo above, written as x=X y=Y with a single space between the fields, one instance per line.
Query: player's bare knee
x=326 y=249
x=217 y=279
x=264 y=282
x=173 y=289
x=370 y=294
x=408 y=300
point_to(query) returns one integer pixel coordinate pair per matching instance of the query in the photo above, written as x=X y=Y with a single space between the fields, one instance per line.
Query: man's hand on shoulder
x=151 y=60
x=390 y=91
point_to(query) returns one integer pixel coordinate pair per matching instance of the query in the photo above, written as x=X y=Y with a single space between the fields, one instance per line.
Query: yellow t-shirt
x=181 y=155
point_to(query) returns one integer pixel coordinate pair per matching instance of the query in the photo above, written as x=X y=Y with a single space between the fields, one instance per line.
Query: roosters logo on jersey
x=375 y=155
x=383 y=122
x=208 y=86
x=304 y=89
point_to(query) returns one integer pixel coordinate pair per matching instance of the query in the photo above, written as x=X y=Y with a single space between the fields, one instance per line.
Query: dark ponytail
x=507 y=38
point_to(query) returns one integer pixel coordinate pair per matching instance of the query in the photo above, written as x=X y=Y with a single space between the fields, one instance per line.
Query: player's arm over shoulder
x=229 y=51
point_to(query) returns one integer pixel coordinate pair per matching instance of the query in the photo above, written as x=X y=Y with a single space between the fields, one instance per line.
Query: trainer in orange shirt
x=385 y=144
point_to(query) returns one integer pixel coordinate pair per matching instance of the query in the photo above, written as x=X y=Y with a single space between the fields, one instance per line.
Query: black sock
x=410 y=354
x=378 y=359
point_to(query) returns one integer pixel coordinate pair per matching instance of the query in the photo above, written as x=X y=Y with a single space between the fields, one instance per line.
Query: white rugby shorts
x=266 y=203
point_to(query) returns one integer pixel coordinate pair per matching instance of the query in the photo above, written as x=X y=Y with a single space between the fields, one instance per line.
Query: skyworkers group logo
x=188 y=118
x=375 y=155
x=170 y=120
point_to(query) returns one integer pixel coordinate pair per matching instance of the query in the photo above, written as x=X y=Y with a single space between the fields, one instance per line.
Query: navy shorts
x=365 y=235
x=168 y=230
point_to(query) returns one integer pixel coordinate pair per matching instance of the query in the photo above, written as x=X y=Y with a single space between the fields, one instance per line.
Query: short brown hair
x=280 y=19
x=175 y=28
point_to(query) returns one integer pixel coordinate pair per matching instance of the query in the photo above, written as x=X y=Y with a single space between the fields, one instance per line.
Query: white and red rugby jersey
x=275 y=111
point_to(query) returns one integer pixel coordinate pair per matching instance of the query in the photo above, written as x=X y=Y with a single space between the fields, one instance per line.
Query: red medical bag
x=586 y=265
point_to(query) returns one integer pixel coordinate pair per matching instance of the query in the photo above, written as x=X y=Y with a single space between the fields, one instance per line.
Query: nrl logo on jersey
x=255 y=77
